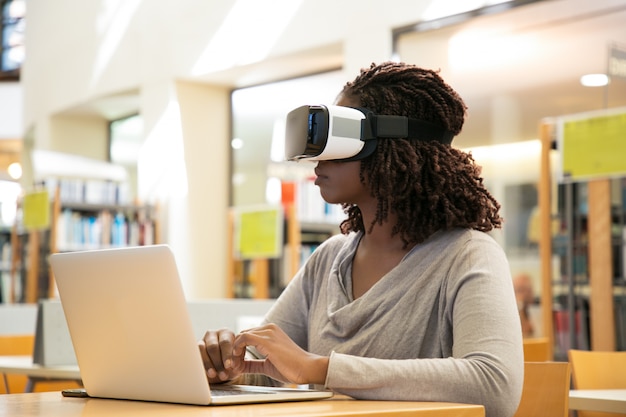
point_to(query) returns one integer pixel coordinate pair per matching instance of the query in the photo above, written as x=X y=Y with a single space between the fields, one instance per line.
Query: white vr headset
x=322 y=132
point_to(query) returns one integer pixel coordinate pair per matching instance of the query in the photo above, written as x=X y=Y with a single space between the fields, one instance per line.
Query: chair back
x=597 y=370
x=546 y=390
x=14 y=383
x=537 y=349
x=15 y=345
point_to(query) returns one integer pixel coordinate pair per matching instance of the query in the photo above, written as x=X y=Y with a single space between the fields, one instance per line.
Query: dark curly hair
x=428 y=185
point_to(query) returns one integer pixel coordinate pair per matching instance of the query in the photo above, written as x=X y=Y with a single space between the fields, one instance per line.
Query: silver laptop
x=132 y=334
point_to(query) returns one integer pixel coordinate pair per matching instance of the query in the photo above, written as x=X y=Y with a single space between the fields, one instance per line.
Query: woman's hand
x=216 y=349
x=284 y=360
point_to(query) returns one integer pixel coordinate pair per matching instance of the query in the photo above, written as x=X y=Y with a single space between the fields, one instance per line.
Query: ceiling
x=534 y=53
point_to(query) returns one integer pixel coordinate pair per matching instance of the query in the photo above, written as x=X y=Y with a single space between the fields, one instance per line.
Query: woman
x=414 y=300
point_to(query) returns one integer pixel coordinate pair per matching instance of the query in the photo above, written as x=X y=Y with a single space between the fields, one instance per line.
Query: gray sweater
x=441 y=326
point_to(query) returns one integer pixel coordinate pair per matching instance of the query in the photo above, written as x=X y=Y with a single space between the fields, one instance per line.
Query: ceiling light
x=15 y=170
x=236 y=143
x=594 y=80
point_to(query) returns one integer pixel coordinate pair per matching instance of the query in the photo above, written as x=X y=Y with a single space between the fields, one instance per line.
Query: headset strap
x=387 y=126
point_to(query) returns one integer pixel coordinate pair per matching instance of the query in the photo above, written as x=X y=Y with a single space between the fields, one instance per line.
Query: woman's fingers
x=223 y=356
x=217 y=353
x=284 y=360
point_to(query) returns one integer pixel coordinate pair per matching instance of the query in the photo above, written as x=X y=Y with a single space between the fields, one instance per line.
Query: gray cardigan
x=441 y=326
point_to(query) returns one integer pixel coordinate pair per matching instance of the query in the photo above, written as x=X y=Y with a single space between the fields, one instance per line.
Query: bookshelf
x=308 y=221
x=6 y=240
x=582 y=258
x=84 y=215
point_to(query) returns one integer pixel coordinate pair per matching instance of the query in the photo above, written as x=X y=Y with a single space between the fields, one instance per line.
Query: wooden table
x=605 y=400
x=23 y=365
x=52 y=404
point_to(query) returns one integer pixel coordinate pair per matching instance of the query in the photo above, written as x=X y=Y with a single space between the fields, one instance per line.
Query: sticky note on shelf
x=36 y=209
x=594 y=145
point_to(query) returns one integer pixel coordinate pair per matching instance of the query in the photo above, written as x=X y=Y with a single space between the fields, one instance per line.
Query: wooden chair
x=597 y=370
x=23 y=345
x=546 y=390
x=15 y=345
x=537 y=349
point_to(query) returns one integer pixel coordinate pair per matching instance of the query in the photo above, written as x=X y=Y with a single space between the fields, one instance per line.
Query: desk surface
x=24 y=365
x=52 y=404
x=605 y=400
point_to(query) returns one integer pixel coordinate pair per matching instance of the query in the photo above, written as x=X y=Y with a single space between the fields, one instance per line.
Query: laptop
x=132 y=334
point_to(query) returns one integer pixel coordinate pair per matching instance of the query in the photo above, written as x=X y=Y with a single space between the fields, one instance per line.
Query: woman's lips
x=319 y=177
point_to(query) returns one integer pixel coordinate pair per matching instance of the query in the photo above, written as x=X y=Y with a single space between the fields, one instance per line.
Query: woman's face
x=339 y=182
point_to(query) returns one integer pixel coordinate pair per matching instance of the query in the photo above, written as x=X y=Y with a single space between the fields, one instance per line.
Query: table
x=605 y=400
x=52 y=404
x=23 y=365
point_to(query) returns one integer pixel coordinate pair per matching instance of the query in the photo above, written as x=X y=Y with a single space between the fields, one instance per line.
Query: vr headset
x=321 y=132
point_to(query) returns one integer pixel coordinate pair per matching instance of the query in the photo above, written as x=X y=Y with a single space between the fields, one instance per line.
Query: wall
x=203 y=110
x=85 y=135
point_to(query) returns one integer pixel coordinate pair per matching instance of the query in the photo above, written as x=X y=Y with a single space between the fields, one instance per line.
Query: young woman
x=414 y=300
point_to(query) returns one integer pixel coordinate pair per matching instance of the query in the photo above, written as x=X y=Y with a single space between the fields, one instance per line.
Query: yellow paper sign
x=259 y=232
x=36 y=208
x=594 y=146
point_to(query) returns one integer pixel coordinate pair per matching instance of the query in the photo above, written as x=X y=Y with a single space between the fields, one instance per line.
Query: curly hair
x=428 y=185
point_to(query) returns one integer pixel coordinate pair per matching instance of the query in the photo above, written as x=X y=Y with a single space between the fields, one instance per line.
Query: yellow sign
x=259 y=232
x=36 y=208
x=594 y=146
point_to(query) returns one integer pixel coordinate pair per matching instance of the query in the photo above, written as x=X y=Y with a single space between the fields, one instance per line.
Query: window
x=125 y=139
x=12 y=25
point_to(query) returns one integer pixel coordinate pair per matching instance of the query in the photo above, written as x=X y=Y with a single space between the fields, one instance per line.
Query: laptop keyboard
x=234 y=391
